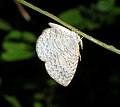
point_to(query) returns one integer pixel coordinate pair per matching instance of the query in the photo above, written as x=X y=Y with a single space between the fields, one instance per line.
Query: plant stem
x=108 y=47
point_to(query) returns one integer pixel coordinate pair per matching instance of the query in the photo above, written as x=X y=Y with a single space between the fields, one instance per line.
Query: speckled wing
x=58 y=47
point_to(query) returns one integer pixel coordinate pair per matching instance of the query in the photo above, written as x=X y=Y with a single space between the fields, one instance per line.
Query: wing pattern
x=58 y=47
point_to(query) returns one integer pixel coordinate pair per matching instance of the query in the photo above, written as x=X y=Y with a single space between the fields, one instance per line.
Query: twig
x=22 y=10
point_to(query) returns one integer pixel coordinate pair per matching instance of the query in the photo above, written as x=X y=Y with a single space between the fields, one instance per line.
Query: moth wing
x=58 y=47
x=64 y=54
x=43 y=45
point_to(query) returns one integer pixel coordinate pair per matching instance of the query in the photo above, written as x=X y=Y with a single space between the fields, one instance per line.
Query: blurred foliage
x=19 y=45
x=5 y=25
x=51 y=83
x=37 y=104
x=12 y=100
x=101 y=13
x=38 y=96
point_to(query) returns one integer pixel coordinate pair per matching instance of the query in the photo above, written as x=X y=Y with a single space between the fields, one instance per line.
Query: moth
x=59 y=48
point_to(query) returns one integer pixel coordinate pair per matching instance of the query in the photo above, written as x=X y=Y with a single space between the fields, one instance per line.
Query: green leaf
x=29 y=37
x=71 y=16
x=116 y=11
x=51 y=82
x=90 y=25
x=18 y=35
x=14 y=35
x=18 y=45
x=12 y=100
x=39 y=96
x=5 y=25
x=37 y=104
x=74 y=17
x=105 y=5
x=16 y=51
x=20 y=0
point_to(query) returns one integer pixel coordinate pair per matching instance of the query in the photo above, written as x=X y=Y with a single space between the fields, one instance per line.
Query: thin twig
x=108 y=47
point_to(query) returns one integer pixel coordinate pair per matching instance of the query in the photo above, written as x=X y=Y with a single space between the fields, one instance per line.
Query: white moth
x=58 y=47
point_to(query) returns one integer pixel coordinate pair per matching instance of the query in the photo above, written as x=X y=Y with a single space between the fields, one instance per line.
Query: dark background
x=97 y=79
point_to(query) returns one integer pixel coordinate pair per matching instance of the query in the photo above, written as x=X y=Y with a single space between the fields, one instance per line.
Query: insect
x=58 y=47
